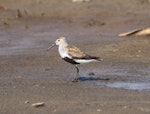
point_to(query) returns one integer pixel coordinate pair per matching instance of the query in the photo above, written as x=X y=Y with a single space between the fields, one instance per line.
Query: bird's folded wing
x=75 y=52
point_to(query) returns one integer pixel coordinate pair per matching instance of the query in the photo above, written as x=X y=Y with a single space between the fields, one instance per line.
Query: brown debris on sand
x=2 y=7
x=19 y=14
x=39 y=104
x=81 y=0
x=138 y=32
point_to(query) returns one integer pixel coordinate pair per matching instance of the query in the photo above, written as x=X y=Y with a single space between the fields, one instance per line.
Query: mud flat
x=29 y=74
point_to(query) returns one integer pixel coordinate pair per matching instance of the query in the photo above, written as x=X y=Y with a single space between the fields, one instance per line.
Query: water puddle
x=128 y=85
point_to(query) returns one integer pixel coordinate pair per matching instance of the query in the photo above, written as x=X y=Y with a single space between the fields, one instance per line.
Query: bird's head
x=60 y=40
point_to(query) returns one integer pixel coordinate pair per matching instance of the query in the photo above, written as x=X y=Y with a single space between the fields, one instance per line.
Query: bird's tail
x=88 y=57
x=97 y=58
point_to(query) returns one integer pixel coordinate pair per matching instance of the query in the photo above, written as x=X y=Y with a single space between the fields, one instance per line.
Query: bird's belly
x=84 y=61
x=63 y=53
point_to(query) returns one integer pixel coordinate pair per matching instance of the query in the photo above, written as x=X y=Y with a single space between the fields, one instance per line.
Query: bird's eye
x=58 y=40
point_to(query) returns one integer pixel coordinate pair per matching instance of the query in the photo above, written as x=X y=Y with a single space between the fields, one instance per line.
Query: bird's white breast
x=84 y=60
x=63 y=51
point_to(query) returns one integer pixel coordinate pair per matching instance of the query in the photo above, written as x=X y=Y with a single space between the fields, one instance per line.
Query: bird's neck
x=63 y=50
x=64 y=44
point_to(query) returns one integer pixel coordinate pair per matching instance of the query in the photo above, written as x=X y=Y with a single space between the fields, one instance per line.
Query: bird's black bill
x=51 y=47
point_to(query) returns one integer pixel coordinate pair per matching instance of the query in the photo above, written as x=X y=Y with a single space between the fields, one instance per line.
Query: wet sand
x=29 y=74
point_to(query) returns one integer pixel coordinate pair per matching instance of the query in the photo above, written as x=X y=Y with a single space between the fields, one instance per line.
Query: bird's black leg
x=77 y=74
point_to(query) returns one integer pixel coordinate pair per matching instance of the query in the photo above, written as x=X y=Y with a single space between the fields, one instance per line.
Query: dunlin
x=73 y=55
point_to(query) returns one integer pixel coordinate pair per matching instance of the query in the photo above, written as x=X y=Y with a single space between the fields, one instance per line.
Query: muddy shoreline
x=29 y=74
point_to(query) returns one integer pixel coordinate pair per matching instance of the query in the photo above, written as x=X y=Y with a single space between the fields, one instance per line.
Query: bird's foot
x=75 y=80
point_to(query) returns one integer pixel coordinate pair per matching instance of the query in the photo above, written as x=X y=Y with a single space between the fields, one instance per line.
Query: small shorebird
x=73 y=54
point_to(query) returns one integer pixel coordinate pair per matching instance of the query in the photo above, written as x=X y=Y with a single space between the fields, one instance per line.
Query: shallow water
x=130 y=85
x=139 y=86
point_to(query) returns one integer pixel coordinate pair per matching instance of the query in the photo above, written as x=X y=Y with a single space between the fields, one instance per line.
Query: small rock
x=54 y=110
x=26 y=102
x=99 y=110
x=43 y=14
x=6 y=22
x=115 y=50
x=2 y=7
x=26 y=27
x=81 y=0
x=47 y=69
x=125 y=107
x=19 y=14
x=91 y=74
x=139 y=51
x=39 y=104
x=18 y=77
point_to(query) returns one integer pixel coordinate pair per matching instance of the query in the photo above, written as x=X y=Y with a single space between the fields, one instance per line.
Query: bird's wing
x=75 y=52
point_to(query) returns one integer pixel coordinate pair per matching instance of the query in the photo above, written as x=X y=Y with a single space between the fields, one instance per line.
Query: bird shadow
x=92 y=79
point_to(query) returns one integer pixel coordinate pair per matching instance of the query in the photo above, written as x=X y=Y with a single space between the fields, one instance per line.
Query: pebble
x=26 y=102
x=125 y=107
x=6 y=22
x=91 y=74
x=19 y=14
x=39 y=104
x=81 y=0
x=2 y=7
x=99 y=110
x=115 y=50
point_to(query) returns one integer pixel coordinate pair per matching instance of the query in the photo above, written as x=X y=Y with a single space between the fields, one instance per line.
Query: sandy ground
x=29 y=74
